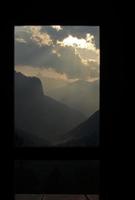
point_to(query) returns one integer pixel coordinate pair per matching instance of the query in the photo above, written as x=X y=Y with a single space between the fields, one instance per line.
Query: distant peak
x=19 y=74
x=28 y=85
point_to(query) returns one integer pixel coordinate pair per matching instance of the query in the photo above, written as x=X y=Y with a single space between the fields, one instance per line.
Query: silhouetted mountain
x=27 y=86
x=39 y=114
x=86 y=134
x=23 y=139
x=81 y=95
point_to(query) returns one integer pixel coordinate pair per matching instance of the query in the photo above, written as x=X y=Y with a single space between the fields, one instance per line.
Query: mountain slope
x=86 y=134
x=25 y=139
x=39 y=114
x=81 y=95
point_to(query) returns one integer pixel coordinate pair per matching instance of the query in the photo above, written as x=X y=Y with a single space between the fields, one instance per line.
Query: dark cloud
x=68 y=63
x=31 y=54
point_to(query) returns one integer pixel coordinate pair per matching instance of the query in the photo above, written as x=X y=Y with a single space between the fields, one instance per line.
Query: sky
x=61 y=56
x=66 y=53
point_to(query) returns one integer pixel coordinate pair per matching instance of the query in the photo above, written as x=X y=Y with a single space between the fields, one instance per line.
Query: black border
x=113 y=85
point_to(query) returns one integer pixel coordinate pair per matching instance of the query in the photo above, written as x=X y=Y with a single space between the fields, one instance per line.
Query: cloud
x=42 y=73
x=75 y=31
x=55 y=52
x=21 y=40
x=84 y=47
x=58 y=28
x=34 y=33
x=40 y=38
x=75 y=57
x=87 y=55
x=47 y=57
x=78 y=43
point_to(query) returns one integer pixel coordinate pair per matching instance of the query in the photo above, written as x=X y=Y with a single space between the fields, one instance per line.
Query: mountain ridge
x=85 y=134
x=81 y=95
x=39 y=114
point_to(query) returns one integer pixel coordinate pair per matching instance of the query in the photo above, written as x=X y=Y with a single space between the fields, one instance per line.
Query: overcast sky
x=60 y=52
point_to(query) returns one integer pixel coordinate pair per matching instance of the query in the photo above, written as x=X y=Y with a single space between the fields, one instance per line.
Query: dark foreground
x=55 y=197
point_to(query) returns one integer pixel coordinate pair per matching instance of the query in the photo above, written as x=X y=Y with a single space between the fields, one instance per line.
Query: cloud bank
x=70 y=51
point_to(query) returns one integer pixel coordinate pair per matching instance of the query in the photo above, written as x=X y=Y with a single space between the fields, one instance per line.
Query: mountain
x=25 y=139
x=39 y=114
x=81 y=95
x=27 y=86
x=86 y=134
